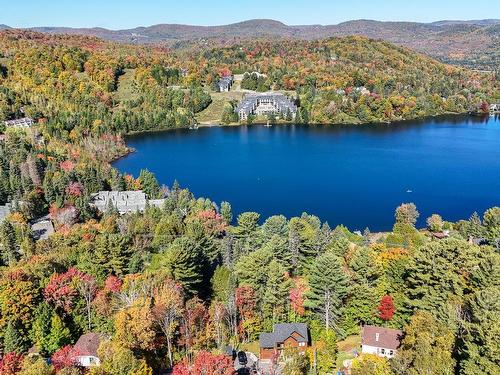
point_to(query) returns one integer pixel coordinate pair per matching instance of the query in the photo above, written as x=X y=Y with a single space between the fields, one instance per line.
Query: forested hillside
x=354 y=79
x=468 y=43
x=169 y=288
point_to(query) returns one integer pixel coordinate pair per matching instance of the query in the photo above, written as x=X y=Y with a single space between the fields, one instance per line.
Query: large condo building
x=265 y=104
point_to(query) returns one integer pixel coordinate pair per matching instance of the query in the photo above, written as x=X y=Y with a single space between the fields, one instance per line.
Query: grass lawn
x=126 y=90
x=213 y=113
x=252 y=347
x=346 y=348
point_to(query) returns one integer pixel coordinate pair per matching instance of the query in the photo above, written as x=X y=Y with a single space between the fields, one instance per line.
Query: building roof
x=42 y=228
x=25 y=121
x=124 y=201
x=283 y=331
x=4 y=211
x=88 y=344
x=381 y=337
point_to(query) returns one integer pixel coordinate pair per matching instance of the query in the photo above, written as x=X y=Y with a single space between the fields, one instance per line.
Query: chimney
x=376 y=336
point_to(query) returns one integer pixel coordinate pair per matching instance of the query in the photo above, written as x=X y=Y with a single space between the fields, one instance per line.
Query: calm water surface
x=355 y=175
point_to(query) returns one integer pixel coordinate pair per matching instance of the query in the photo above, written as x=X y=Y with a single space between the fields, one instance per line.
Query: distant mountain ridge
x=471 y=42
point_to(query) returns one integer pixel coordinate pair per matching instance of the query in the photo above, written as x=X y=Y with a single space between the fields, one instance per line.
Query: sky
x=123 y=14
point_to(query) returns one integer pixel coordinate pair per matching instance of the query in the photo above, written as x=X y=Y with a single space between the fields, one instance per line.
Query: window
x=391 y=352
x=382 y=351
x=302 y=344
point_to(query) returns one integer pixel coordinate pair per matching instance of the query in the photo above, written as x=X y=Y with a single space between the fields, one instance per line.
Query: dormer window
x=376 y=336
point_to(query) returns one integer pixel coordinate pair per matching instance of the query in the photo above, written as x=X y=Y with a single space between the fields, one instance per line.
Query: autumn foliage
x=386 y=308
x=205 y=363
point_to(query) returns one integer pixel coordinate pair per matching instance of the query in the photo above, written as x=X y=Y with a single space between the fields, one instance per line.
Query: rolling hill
x=474 y=43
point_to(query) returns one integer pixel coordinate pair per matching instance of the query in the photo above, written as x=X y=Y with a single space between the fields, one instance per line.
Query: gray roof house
x=124 y=201
x=24 y=122
x=295 y=335
x=42 y=228
x=225 y=83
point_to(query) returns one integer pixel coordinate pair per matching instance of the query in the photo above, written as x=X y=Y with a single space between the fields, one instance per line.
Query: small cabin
x=381 y=341
x=84 y=353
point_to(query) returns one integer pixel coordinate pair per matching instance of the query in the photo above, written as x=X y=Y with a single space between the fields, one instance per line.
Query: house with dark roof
x=84 y=352
x=284 y=335
x=381 y=341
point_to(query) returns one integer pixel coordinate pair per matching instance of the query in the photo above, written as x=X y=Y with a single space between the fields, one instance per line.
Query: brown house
x=284 y=335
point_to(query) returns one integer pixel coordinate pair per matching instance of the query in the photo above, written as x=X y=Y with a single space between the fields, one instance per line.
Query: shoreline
x=346 y=124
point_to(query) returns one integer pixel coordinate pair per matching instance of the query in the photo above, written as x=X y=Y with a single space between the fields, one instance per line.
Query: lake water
x=354 y=175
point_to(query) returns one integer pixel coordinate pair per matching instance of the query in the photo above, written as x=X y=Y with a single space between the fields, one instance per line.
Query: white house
x=24 y=122
x=383 y=342
x=84 y=353
x=123 y=201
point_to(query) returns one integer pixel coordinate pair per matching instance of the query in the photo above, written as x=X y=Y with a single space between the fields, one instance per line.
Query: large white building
x=24 y=122
x=124 y=201
x=263 y=104
x=381 y=341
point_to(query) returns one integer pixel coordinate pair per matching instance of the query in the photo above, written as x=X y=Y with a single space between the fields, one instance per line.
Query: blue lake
x=352 y=175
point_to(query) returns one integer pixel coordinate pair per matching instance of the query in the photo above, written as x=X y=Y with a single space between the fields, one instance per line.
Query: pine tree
x=183 y=263
x=13 y=340
x=59 y=334
x=328 y=288
x=475 y=227
x=149 y=184
x=40 y=330
x=225 y=210
x=276 y=293
x=9 y=245
x=480 y=344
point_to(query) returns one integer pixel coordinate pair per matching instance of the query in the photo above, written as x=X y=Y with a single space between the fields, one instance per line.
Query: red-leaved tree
x=246 y=302
x=297 y=296
x=11 y=363
x=63 y=358
x=62 y=289
x=205 y=363
x=386 y=308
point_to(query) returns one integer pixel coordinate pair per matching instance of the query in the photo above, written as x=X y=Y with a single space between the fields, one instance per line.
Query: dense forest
x=172 y=286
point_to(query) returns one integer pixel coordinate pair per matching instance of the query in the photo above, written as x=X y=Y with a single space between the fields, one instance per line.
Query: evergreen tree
x=13 y=339
x=475 y=227
x=359 y=308
x=246 y=230
x=302 y=242
x=436 y=277
x=226 y=212
x=8 y=240
x=149 y=184
x=250 y=270
x=274 y=301
x=491 y=221
x=182 y=262
x=59 y=334
x=40 y=330
x=481 y=353
x=327 y=289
